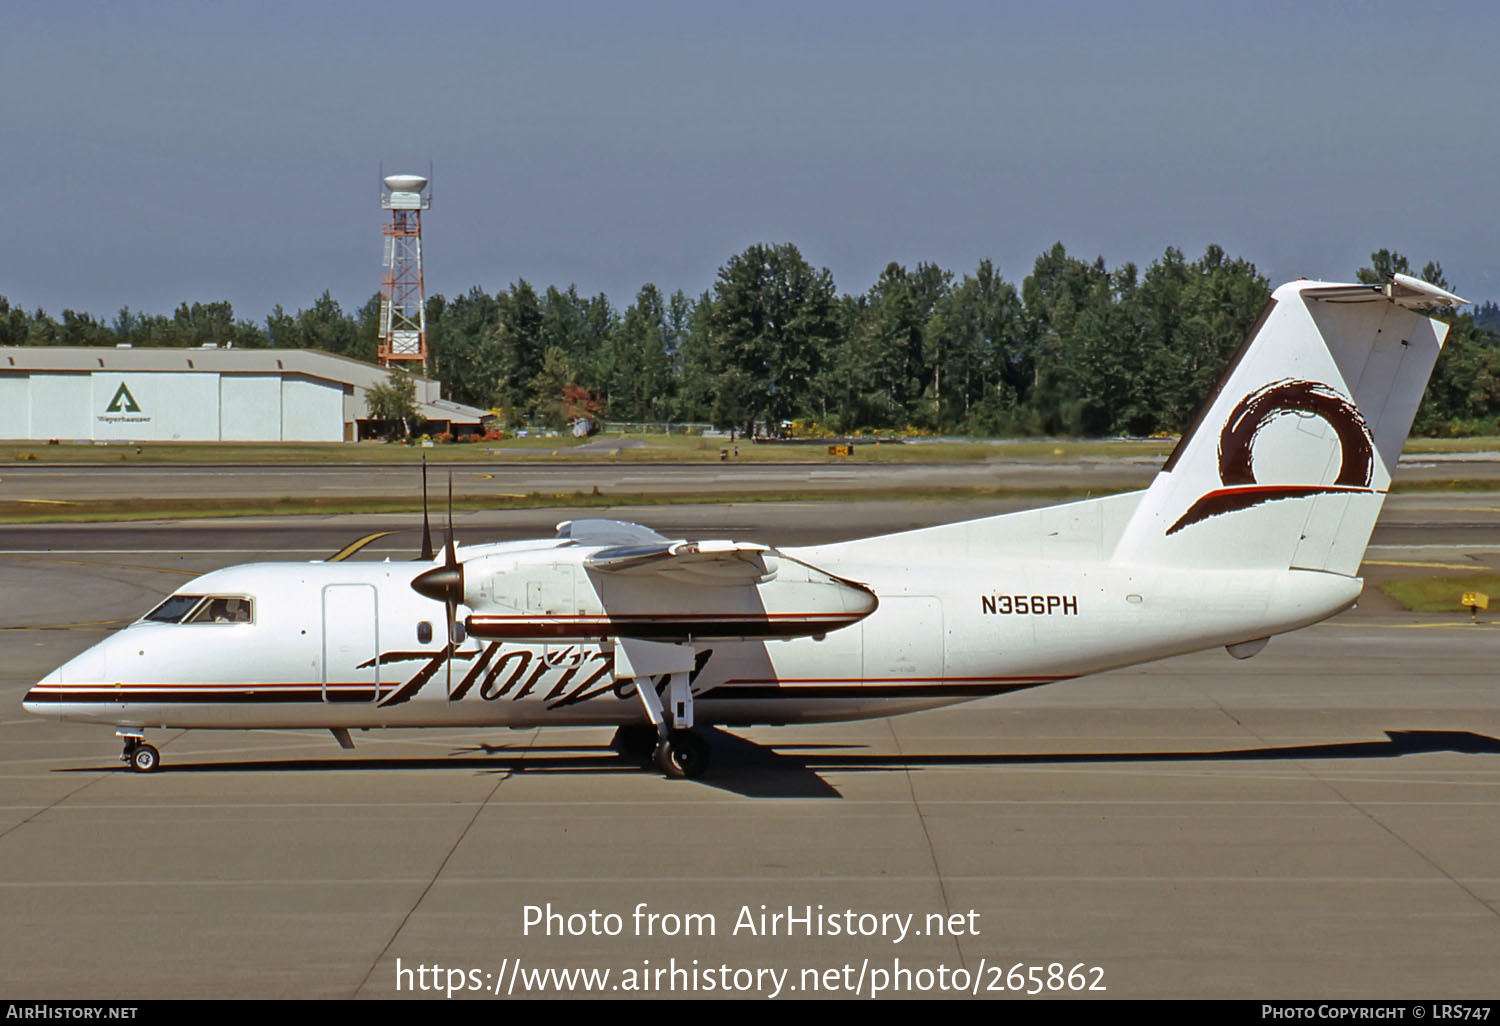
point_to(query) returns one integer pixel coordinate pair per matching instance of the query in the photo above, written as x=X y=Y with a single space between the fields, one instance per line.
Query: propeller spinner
x=445 y=583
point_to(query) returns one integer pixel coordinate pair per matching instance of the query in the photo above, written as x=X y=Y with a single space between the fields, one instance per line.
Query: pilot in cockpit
x=230 y=610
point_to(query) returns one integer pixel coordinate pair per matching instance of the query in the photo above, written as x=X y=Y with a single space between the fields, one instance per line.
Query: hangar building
x=204 y=394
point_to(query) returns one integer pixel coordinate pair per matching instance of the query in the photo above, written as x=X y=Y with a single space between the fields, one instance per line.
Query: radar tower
x=403 y=300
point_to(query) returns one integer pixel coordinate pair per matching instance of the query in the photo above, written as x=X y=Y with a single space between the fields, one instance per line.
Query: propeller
x=426 y=555
x=445 y=583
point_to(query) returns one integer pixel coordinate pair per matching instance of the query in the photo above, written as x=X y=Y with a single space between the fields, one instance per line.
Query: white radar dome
x=405 y=183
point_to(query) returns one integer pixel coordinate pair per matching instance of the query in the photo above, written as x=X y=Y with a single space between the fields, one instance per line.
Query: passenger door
x=351 y=643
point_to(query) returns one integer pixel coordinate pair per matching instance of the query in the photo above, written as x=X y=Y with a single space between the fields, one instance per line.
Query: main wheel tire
x=690 y=753
x=145 y=759
x=666 y=761
x=635 y=741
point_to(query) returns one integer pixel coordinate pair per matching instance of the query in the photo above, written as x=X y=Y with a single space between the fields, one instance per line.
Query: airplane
x=1255 y=526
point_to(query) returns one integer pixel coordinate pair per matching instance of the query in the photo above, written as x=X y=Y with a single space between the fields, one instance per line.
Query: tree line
x=1077 y=348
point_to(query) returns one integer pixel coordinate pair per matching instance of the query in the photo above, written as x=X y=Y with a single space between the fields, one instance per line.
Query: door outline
x=375 y=634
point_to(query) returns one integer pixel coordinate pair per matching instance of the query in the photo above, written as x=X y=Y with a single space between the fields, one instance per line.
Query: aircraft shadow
x=755 y=770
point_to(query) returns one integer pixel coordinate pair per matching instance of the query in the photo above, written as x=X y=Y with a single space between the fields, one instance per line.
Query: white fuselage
x=941 y=634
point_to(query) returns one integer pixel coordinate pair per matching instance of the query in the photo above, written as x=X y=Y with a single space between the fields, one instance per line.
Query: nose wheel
x=139 y=756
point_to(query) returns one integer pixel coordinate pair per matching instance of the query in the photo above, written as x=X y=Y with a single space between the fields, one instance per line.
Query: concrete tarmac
x=1318 y=821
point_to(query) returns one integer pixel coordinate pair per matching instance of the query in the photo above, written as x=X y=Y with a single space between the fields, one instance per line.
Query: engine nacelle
x=683 y=591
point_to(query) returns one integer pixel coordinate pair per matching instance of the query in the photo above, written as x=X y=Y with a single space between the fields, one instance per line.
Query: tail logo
x=1254 y=412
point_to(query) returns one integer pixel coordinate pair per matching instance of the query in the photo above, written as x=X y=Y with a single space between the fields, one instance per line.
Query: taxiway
x=1317 y=821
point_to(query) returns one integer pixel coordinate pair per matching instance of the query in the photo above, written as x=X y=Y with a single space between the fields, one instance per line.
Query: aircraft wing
x=706 y=562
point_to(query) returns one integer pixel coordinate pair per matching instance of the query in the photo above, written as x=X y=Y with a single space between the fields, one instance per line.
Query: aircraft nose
x=88 y=667
x=35 y=700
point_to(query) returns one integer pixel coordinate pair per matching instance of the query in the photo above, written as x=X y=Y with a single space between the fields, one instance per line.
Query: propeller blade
x=450 y=602
x=426 y=527
x=450 y=610
x=445 y=583
x=450 y=558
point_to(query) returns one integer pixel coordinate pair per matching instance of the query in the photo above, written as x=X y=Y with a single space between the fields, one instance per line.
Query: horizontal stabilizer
x=1402 y=289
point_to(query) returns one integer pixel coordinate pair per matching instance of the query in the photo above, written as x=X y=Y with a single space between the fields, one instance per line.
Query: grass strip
x=1440 y=594
x=1448 y=484
x=641 y=448
x=51 y=511
x=21 y=512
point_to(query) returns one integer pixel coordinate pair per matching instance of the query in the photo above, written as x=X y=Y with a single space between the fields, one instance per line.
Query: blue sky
x=160 y=152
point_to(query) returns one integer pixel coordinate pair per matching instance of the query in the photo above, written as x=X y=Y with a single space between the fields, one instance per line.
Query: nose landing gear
x=138 y=755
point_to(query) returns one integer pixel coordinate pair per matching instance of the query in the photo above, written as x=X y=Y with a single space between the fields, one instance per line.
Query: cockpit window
x=204 y=609
x=222 y=609
x=174 y=609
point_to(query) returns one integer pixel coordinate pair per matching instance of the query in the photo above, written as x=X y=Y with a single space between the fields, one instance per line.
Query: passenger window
x=424 y=632
x=223 y=609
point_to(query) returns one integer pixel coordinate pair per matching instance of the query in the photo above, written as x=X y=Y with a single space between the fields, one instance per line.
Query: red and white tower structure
x=403 y=300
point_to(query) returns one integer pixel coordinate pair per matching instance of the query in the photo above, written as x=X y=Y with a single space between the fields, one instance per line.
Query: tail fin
x=1290 y=461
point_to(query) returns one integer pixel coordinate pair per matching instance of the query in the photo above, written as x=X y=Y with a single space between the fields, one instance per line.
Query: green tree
x=772 y=323
x=1063 y=297
x=891 y=369
x=393 y=400
x=82 y=329
x=1464 y=394
x=1195 y=326
x=367 y=331
x=580 y=327
x=322 y=326
x=518 y=341
x=465 y=353
x=550 y=389
x=695 y=361
x=1385 y=262
x=980 y=325
x=636 y=369
x=15 y=326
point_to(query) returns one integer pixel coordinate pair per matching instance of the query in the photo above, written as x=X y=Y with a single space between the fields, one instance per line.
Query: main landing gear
x=668 y=736
x=677 y=751
x=138 y=755
x=685 y=754
x=688 y=752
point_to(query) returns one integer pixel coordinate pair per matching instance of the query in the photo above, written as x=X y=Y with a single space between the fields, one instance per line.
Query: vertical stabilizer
x=1290 y=461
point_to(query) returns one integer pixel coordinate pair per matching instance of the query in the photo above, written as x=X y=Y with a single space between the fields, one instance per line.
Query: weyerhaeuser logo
x=123 y=408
